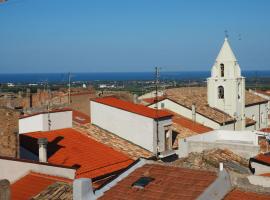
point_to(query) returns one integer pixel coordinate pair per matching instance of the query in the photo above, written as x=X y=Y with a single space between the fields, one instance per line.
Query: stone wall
x=8 y=127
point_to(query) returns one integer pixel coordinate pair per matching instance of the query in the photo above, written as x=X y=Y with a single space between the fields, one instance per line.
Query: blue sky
x=130 y=35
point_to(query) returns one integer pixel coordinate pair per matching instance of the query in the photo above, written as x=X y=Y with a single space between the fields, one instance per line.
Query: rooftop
x=80 y=117
x=134 y=108
x=45 y=112
x=186 y=96
x=113 y=141
x=32 y=184
x=237 y=194
x=71 y=148
x=263 y=157
x=169 y=183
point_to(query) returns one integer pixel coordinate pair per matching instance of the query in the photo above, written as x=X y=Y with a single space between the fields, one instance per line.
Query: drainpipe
x=42 y=142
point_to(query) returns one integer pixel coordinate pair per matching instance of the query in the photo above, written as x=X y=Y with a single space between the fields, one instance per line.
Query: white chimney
x=42 y=151
x=193 y=109
x=83 y=190
x=221 y=167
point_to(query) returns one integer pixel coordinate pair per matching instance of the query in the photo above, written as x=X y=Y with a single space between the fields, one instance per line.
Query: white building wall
x=31 y=124
x=39 y=122
x=259 y=114
x=181 y=110
x=59 y=120
x=130 y=126
x=14 y=170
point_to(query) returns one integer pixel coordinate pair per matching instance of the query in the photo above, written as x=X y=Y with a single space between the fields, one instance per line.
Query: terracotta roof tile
x=166 y=184
x=238 y=194
x=187 y=96
x=187 y=123
x=267 y=130
x=80 y=117
x=253 y=99
x=69 y=147
x=131 y=107
x=32 y=184
x=263 y=158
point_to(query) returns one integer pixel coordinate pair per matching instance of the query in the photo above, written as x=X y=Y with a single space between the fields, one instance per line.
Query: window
x=222 y=70
x=162 y=105
x=220 y=92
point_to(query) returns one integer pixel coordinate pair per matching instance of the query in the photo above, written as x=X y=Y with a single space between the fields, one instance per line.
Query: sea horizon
x=116 y=76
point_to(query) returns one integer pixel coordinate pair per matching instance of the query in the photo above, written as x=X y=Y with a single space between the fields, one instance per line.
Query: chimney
x=4 y=190
x=193 y=109
x=83 y=190
x=221 y=167
x=42 y=150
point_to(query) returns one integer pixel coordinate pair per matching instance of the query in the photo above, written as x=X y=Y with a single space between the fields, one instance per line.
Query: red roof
x=32 y=184
x=238 y=194
x=80 y=117
x=169 y=183
x=189 y=124
x=134 y=108
x=71 y=148
x=153 y=99
x=45 y=112
x=267 y=130
x=263 y=157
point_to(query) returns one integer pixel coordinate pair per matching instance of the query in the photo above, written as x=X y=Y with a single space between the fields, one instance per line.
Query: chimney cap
x=42 y=141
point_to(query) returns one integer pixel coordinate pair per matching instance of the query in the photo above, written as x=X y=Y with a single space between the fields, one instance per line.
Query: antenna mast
x=69 y=78
x=48 y=106
x=156 y=107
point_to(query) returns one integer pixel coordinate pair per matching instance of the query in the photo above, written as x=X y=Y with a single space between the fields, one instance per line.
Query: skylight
x=142 y=182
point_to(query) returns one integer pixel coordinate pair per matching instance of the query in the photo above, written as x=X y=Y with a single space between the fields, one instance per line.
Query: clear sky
x=131 y=35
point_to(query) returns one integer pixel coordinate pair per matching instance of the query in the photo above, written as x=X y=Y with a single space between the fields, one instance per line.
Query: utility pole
x=69 y=96
x=48 y=107
x=156 y=107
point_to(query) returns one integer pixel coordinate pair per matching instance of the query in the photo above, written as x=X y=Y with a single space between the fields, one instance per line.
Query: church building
x=225 y=103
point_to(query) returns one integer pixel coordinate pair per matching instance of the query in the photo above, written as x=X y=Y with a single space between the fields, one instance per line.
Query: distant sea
x=115 y=76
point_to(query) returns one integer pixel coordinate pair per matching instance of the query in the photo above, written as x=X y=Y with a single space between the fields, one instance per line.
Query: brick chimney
x=42 y=151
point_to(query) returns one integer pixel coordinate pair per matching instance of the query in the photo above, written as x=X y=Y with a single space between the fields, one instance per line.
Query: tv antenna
x=69 y=85
x=157 y=69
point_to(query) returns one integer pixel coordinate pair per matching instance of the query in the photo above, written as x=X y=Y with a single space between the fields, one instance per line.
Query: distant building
x=224 y=104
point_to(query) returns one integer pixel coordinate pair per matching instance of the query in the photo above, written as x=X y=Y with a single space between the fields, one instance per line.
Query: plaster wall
x=130 y=126
x=14 y=170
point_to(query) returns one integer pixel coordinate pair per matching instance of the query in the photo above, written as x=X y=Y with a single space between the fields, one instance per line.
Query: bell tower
x=226 y=86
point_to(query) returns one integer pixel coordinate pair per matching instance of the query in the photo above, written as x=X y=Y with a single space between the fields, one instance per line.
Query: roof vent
x=142 y=182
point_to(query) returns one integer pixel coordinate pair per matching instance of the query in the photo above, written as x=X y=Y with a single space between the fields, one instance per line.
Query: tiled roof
x=267 y=130
x=187 y=123
x=264 y=92
x=80 y=117
x=134 y=108
x=58 y=190
x=238 y=194
x=265 y=158
x=169 y=183
x=45 y=112
x=152 y=100
x=71 y=148
x=253 y=99
x=186 y=96
x=113 y=141
x=250 y=122
x=32 y=184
